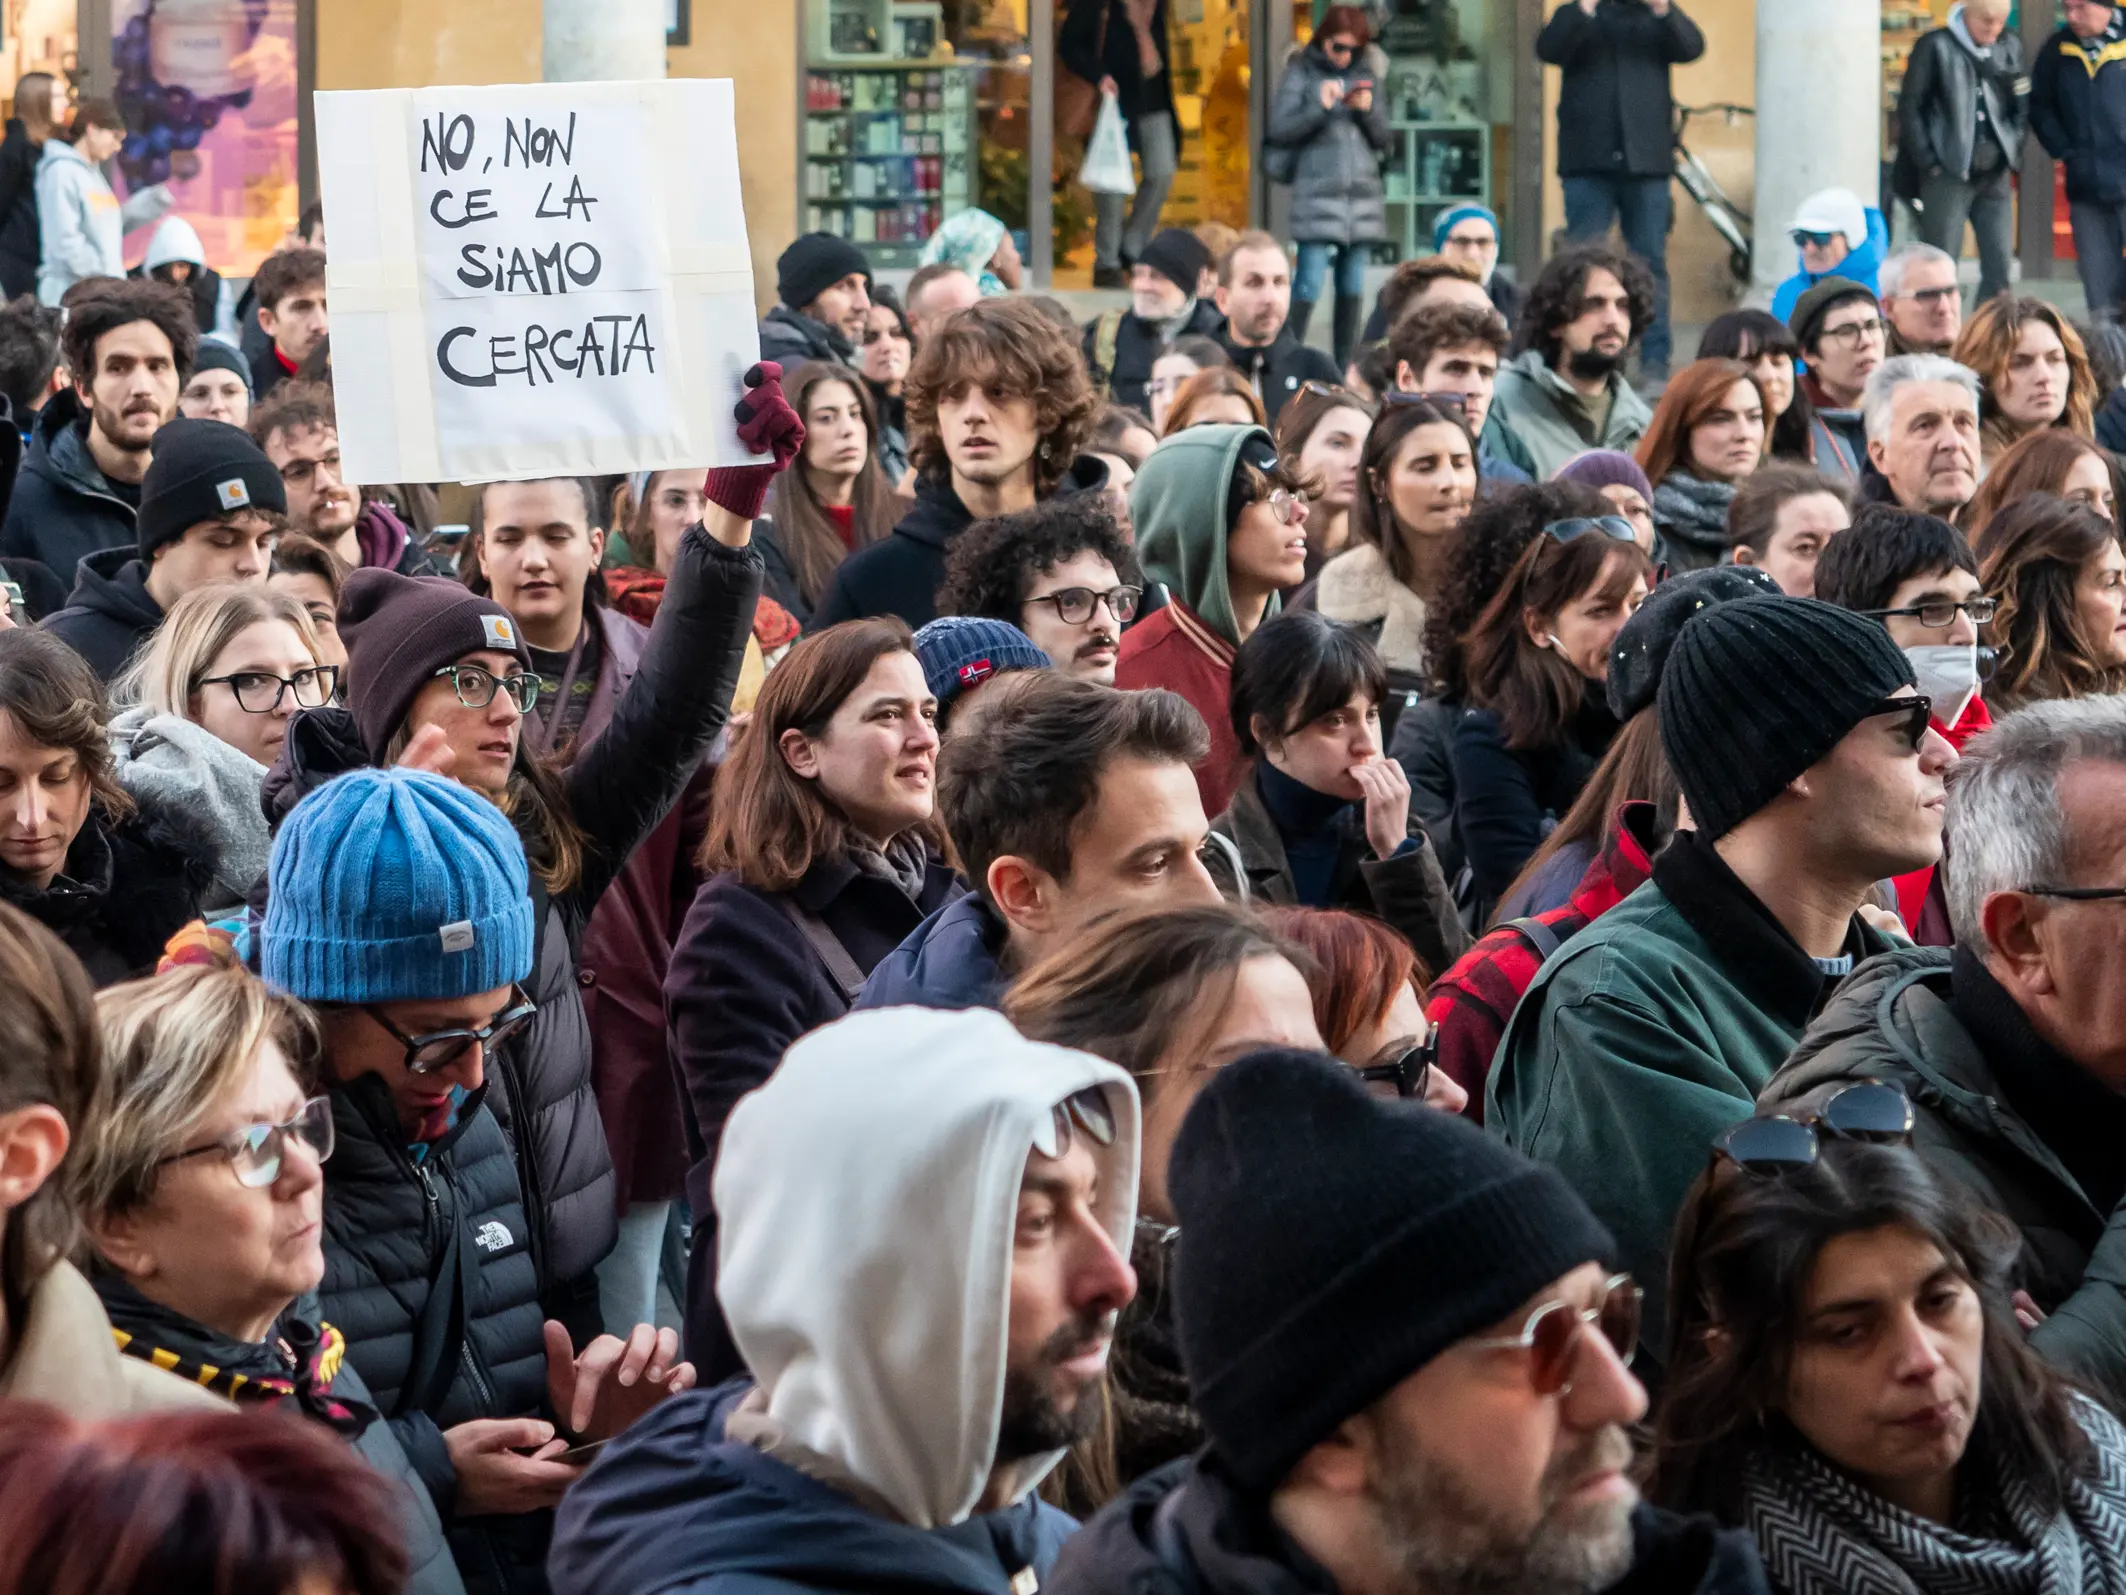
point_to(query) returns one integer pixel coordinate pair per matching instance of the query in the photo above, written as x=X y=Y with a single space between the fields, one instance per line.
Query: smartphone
x=11 y=592
x=581 y=1453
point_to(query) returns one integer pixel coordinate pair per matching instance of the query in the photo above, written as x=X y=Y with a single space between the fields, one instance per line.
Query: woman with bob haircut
x=823 y=853
x=2033 y=372
x=1214 y=394
x=1848 y=1379
x=213 y=694
x=1708 y=434
x=1171 y=995
x=1764 y=343
x=198 y=1172
x=1322 y=818
x=2058 y=575
x=2049 y=460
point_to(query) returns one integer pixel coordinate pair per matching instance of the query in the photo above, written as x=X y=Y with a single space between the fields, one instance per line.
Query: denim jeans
x=1988 y=203
x=1154 y=136
x=2099 y=238
x=1644 y=209
x=1313 y=266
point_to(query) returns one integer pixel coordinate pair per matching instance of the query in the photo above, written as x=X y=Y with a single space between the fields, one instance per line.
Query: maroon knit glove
x=766 y=425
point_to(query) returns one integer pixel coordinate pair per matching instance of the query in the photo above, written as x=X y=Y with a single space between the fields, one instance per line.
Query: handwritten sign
x=535 y=280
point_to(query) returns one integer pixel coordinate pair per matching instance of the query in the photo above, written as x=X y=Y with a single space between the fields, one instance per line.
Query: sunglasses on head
x=1552 y=1334
x=1868 y=1111
x=1085 y=1110
x=1454 y=404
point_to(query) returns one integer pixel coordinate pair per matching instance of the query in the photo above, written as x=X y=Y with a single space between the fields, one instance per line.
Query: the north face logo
x=493 y=1237
x=232 y=493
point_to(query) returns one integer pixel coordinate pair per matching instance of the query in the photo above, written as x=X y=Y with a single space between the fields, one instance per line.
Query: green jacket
x=1178 y=504
x=1546 y=415
x=1645 y=1036
x=1892 y=1021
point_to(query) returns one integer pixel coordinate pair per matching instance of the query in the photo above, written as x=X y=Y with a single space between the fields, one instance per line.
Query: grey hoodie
x=175 y=763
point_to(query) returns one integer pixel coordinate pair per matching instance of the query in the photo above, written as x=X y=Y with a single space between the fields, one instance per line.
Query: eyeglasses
x=1075 y=605
x=1806 y=240
x=476 y=686
x=1287 y=505
x=439 y=1049
x=1406 y=1073
x=1553 y=1333
x=1854 y=333
x=2078 y=894
x=1868 y=1111
x=260 y=691
x=1337 y=46
x=1454 y=404
x=1941 y=612
x=1085 y=1110
x=1331 y=390
x=1917 y=712
x=256 y=1151
x=1931 y=297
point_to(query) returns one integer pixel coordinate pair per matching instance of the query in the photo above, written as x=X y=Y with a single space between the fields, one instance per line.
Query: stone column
x=1819 y=116
x=594 y=40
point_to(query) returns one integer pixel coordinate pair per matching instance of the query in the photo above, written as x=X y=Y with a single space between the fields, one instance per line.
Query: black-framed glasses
x=476 y=686
x=439 y=1049
x=2078 y=894
x=1085 y=1110
x=1854 y=333
x=1403 y=1075
x=1917 y=711
x=1338 y=46
x=1865 y=1111
x=1075 y=605
x=1940 y=612
x=261 y=691
x=1552 y=1333
x=256 y=1151
x=1807 y=240
x=1454 y=404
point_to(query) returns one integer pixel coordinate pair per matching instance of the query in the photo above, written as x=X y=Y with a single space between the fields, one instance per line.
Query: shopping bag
x=1106 y=169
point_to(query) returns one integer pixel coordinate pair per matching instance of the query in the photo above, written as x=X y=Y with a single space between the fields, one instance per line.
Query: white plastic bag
x=1106 y=169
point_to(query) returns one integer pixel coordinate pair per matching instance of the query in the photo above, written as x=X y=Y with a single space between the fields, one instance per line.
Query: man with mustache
x=299 y=429
x=129 y=347
x=1408 y=1348
x=1057 y=572
x=1564 y=392
x=925 y=1221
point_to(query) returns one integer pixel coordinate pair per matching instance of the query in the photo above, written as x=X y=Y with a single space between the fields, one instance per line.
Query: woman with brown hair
x=2032 y=370
x=2049 y=460
x=1214 y=394
x=834 y=499
x=823 y=853
x=111 y=874
x=1171 y=995
x=1321 y=432
x=2057 y=572
x=1709 y=432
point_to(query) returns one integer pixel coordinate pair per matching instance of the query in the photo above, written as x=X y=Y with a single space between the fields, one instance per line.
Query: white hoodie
x=867 y=1200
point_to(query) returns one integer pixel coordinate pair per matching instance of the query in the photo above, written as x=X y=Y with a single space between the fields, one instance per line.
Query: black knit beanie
x=1641 y=648
x=813 y=264
x=217 y=356
x=1758 y=690
x=201 y=471
x=399 y=631
x=1178 y=255
x=1334 y=1242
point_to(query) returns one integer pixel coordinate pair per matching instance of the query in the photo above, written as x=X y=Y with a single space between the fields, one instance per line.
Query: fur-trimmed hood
x=1358 y=588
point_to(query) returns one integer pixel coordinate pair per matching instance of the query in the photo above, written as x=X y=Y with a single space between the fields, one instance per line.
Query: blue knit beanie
x=1450 y=218
x=962 y=651
x=395 y=885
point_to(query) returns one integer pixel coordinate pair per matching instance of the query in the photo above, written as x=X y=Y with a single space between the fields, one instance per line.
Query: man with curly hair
x=1060 y=572
x=1564 y=392
x=998 y=407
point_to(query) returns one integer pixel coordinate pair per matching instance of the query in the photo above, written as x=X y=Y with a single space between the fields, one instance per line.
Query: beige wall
x=374 y=44
x=1701 y=286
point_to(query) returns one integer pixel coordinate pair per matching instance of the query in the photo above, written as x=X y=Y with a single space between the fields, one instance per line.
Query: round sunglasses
x=1552 y=1334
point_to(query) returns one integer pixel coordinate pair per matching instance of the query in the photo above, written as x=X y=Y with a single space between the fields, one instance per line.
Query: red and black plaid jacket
x=1471 y=1002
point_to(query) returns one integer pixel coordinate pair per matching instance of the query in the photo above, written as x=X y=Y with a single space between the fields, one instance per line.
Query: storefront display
x=889 y=154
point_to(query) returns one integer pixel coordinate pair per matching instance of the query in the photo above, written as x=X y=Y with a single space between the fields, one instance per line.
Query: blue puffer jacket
x=674 y=1508
x=1860 y=266
x=954 y=959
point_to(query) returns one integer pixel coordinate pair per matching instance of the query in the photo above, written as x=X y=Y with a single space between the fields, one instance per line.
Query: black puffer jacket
x=125 y=889
x=620 y=787
x=387 y=1224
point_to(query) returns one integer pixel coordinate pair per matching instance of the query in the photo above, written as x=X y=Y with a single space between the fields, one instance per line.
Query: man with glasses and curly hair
x=1060 y=572
x=999 y=406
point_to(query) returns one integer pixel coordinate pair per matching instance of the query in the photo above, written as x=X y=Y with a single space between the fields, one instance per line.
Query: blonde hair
x=166 y=676
x=174 y=1046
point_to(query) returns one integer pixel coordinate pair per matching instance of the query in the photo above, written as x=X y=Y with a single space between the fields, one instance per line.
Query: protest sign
x=544 y=279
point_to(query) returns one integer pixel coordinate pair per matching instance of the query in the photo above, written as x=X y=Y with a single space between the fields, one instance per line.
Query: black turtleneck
x=2080 y=1118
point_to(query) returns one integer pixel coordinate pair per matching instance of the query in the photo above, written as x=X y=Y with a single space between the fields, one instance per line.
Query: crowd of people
x=1142 y=962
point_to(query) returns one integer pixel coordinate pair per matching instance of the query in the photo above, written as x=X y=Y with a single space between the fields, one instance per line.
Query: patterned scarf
x=1694 y=512
x=1823 y=1534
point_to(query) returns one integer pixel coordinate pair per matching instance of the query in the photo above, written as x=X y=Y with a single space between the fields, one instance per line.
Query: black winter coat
x=744 y=984
x=1092 y=52
x=62 y=508
x=2078 y=111
x=1137 y=344
x=1278 y=368
x=126 y=889
x=792 y=339
x=42 y=592
x=1507 y=800
x=1423 y=744
x=900 y=574
x=110 y=612
x=1615 y=118
x=1937 y=109
x=21 y=242
x=1187 y=1530
x=387 y=1224
x=620 y=787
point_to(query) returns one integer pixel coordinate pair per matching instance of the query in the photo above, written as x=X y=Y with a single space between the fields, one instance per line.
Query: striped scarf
x=1821 y=1533
x=294 y=1367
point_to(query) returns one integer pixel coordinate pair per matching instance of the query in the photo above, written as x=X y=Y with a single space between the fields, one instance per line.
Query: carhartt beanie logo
x=1758 y=690
x=201 y=471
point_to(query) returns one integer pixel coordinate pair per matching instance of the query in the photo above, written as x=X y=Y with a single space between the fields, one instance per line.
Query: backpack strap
x=1539 y=936
x=841 y=968
x=439 y=1333
x=1107 y=332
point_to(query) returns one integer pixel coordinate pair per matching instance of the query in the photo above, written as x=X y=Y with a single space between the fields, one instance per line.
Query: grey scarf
x=1823 y=1534
x=1693 y=512
x=905 y=862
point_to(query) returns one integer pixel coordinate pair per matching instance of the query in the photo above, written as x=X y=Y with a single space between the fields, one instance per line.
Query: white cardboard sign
x=545 y=279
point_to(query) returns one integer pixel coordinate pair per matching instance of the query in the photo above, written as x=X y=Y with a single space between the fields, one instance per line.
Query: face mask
x=1949 y=674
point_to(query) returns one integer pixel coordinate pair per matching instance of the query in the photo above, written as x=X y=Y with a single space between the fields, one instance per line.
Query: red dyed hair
x=210 y=1503
x=1350 y=21
x=1359 y=966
